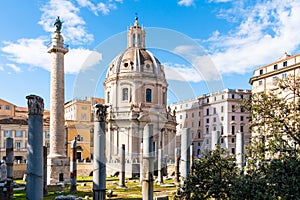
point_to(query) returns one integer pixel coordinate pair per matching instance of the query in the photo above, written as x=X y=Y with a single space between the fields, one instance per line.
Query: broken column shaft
x=122 y=171
x=99 y=173
x=35 y=160
x=73 y=166
x=147 y=185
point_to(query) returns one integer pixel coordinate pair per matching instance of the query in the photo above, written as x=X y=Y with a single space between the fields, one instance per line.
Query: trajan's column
x=58 y=164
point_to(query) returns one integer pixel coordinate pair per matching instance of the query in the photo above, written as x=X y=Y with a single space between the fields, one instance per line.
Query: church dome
x=135 y=59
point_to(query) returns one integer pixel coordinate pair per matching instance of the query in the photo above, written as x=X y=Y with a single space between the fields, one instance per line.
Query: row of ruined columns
x=36 y=186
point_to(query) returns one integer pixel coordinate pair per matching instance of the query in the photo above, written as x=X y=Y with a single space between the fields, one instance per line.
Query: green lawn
x=133 y=190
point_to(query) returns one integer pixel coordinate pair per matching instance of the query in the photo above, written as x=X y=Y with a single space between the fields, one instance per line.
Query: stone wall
x=83 y=169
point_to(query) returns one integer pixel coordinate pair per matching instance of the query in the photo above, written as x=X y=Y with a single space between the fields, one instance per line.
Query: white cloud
x=266 y=30
x=33 y=52
x=219 y=1
x=186 y=2
x=180 y=72
x=14 y=67
x=199 y=60
x=74 y=29
x=1 y=68
x=104 y=8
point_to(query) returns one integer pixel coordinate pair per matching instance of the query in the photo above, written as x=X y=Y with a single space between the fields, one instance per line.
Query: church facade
x=136 y=92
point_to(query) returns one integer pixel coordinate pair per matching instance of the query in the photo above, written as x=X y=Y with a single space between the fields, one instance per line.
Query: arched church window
x=138 y=39
x=133 y=39
x=148 y=95
x=125 y=94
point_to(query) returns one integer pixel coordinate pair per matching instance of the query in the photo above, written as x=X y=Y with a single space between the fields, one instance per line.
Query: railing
x=65 y=46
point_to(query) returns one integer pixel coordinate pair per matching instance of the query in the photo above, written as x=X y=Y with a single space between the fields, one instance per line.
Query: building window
x=242 y=96
x=7 y=133
x=242 y=109
x=207 y=120
x=199 y=134
x=283 y=76
x=125 y=94
x=232 y=140
x=261 y=72
x=18 y=145
x=242 y=129
x=274 y=78
x=207 y=130
x=233 y=150
x=207 y=111
x=83 y=116
x=180 y=116
x=233 y=108
x=222 y=96
x=192 y=115
x=232 y=130
x=222 y=130
x=18 y=134
x=199 y=123
x=214 y=128
x=199 y=144
x=192 y=124
x=285 y=63
x=207 y=100
x=83 y=108
x=232 y=96
x=199 y=114
x=0 y=107
x=7 y=107
x=222 y=108
x=108 y=97
x=148 y=95
x=215 y=98
x=215 y=119
x=260 y=82
x=232 y=117
x=215 y=111
x=222 y=140
x=275 y=67
x=47 y=135
x=222 y=118
x=186 y=115
x=242 y=118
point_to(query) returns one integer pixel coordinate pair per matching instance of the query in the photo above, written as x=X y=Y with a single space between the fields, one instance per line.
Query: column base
x=58 y=171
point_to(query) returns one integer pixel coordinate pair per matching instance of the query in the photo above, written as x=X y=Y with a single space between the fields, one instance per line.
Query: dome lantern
x=136 y=36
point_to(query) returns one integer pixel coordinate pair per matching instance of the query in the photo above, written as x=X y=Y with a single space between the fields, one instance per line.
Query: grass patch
x=133 y=190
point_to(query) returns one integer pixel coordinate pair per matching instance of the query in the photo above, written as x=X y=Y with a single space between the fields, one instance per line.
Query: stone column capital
x=35 y=105
x=100 y=112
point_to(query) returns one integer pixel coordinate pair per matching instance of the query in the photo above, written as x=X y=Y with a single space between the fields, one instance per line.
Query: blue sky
x=232 y=38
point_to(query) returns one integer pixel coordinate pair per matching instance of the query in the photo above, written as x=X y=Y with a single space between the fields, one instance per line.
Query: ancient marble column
x=122 y=170
x=177 y=162
x=99 y=173
x=34 y=182
x=58 y=163
x=148 y=167
x=185 y=153
x=10 y=165
x=73 y=166
x=240 y=149
x=160 y=169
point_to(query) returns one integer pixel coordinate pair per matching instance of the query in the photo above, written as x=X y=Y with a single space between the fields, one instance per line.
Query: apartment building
x=214 y=118
x=79 y=124
x=14 y=124
x=265 y=78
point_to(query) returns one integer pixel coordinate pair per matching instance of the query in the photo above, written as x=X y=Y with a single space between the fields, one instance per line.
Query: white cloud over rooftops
x=266 y=30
